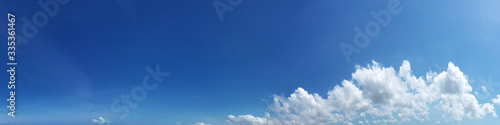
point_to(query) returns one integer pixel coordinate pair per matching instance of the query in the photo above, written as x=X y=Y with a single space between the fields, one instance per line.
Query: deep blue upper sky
x=93 y=51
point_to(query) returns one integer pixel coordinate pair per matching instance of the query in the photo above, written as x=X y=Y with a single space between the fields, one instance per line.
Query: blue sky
x=91 y=52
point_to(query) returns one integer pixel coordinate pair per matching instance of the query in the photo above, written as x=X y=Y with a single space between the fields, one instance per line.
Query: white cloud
x=348 y=99
x=201 y=123
x=456 y=98
x=100 y=120
x=496 y=100
x=380 y=92
x=452 y=81
x=251 y=120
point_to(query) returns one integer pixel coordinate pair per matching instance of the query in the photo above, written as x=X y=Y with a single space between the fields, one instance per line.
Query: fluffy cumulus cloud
x=387 y=95
x=496 y=100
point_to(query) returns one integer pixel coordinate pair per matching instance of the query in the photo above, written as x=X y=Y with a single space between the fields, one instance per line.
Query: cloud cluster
x=381 y=92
